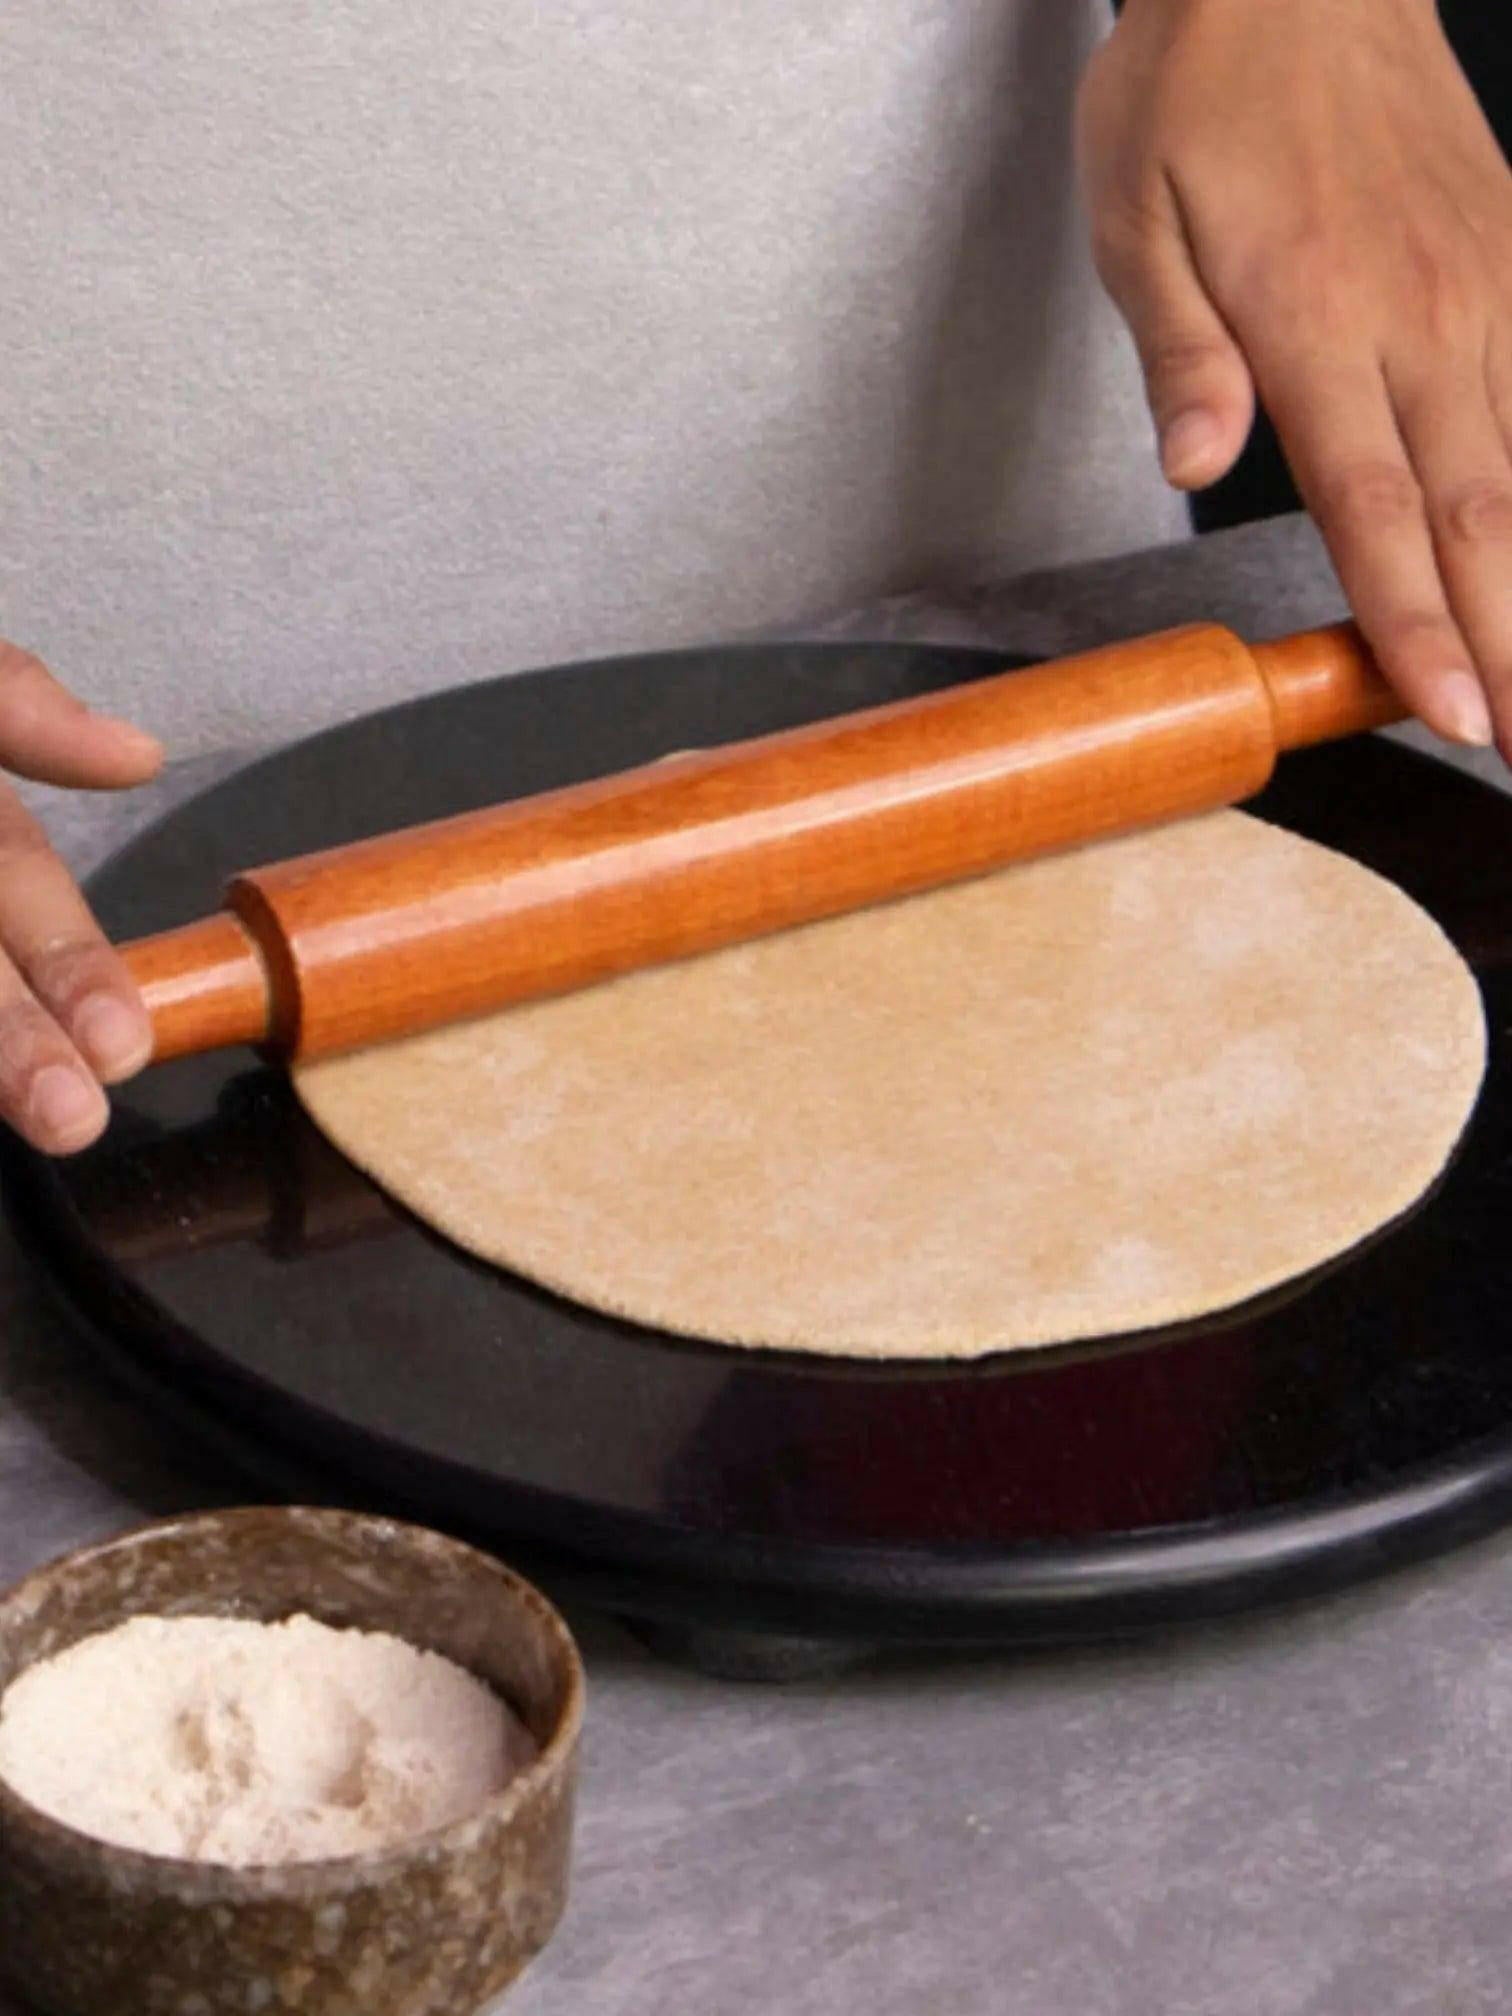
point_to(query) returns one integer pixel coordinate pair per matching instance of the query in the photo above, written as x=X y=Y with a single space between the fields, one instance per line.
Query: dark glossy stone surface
x=234 y=1263
x=436 y=1927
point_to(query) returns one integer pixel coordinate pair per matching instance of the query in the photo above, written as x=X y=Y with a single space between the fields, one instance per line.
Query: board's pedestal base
x=749 y=1655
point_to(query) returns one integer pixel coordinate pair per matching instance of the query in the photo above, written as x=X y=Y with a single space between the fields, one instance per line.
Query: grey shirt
x=353 y=349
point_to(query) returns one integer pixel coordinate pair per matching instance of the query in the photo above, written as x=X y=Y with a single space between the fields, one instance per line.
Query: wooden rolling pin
x=544 y=894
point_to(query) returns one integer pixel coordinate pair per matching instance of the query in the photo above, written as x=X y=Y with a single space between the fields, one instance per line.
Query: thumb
x=48 y=735
x=1199 y=387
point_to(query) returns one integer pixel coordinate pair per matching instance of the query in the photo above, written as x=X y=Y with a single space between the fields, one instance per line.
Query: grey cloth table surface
x=1304 y=1813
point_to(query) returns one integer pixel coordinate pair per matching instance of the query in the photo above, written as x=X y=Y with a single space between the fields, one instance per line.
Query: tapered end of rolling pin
x=1323 y=684
x=204 y=986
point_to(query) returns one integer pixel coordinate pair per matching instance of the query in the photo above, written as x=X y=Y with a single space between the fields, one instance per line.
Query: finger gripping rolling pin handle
x=545 y=894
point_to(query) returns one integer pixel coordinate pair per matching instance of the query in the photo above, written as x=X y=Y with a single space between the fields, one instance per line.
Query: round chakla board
x=760 y=1511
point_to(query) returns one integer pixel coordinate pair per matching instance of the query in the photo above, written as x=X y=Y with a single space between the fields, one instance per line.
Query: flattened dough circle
x=1117 y=1088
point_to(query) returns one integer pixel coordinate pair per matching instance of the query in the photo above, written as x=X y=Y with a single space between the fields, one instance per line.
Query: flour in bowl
x=243 y=1743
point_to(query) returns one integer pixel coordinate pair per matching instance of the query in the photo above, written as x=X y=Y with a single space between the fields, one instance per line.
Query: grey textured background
x=1300 y=1814
x=370 y=343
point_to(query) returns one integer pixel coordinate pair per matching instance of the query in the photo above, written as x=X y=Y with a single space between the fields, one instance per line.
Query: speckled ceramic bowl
x=436 y=1927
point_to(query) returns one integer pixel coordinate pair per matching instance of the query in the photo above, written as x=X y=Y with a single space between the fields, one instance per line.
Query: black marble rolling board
x=743 y=1506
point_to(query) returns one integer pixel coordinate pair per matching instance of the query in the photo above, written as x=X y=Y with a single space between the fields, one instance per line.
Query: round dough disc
x=1115 y=1088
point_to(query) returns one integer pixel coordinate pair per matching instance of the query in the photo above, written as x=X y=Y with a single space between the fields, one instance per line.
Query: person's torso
x=356 y=349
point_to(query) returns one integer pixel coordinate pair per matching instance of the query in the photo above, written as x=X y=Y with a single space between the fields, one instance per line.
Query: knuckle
x=23 y=846
x=1478 y=513
x=1302 y=275
x=1176 y=357
x=1115 y=254
x=1119 y=223
x=1450 y=299
x=1124 y=231
x=66 y=969
x=1373 y=492
x=28 y=1040
x=1411 y=636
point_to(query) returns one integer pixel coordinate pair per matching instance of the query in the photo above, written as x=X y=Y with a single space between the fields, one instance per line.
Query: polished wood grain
x=554 y=892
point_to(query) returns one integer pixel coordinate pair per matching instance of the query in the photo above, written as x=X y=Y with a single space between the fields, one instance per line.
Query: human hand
x=1302 y=198
x=70 y=1018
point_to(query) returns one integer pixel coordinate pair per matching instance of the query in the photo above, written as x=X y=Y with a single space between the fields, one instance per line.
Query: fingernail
x=1462 y=709
x=1186 y=445
x=147 y=744
x=65 y=1107
x=114 y=1038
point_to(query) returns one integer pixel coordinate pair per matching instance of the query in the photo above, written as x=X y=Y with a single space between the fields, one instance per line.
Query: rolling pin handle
x=204 y=986
x=1323 y=684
